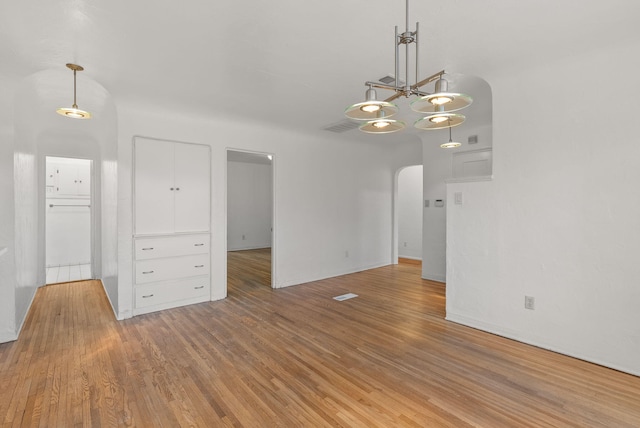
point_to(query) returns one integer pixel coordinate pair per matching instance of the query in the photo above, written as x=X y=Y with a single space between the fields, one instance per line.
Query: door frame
x=92 y=209
x=396 y=213
x=274 y=235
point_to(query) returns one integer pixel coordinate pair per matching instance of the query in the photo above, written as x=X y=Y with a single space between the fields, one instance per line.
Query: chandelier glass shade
x=371 y=108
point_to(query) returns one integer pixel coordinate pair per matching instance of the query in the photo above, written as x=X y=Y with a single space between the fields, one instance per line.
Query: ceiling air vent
x=391 y=80
x=342 y=126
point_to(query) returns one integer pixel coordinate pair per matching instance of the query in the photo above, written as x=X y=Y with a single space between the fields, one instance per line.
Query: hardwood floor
x=294 y=357
x=249 y=268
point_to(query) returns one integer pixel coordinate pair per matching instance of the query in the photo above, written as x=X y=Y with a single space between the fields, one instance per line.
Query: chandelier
x=439 y=105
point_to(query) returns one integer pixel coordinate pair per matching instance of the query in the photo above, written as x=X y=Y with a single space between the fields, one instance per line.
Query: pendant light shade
x=382 y=125
x=74 y=112
x=441 y=100
x=451 y=144
x=370 y=109
x=439 y=121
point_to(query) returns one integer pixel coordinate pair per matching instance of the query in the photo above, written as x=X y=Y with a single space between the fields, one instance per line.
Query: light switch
x=426 y=203
x=458 y=198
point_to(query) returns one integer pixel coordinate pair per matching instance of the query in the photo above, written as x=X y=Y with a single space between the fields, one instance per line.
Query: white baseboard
x=8 y=337
x=409 y=257
x=297 y=281
x=250 y=247
x=24 y=318
x=514 y=335
x=435 y=277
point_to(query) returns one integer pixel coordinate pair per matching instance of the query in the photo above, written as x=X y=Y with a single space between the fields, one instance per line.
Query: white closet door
x=192 y=177
x=84 y=180
x=154 y=197
x=67 y=180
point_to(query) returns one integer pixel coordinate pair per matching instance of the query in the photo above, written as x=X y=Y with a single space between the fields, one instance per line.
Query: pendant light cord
x=75 y=105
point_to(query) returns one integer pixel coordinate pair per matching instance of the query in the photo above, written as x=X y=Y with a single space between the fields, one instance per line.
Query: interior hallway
x=294 y=357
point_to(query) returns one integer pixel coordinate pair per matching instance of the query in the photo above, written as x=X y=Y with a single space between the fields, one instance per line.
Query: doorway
x=250 y=208
x=68 y=219
x=409 y=215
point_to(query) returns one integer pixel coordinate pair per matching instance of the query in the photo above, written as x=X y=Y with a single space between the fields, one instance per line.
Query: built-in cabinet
x=65 y=179
x=171 y=224
x=172 y=192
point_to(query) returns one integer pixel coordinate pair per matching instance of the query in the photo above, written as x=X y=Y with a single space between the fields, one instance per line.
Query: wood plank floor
x=294 y=358
x=249 y=268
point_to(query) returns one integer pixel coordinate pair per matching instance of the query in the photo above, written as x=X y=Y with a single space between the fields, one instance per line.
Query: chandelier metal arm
x=428 y=80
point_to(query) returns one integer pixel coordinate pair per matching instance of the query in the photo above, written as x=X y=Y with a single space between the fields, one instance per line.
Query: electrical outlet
x=405 y=244
x=346 y=253
x=243 y=237
x=529 y=302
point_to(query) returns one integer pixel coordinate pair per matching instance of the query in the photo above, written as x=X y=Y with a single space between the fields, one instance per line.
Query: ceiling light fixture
x=74 y=112
x=451 y=144
x=441 y=102
x=382 y=125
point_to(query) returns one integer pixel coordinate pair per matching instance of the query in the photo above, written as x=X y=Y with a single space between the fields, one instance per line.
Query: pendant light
x=370 y=109
x=382 y=125
x=441 y=100
x=439 y=121
x=439 y=105
x=451 y=144
x=74 y=112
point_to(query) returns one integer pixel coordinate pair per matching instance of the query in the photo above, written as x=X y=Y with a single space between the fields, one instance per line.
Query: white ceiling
x=293 y=63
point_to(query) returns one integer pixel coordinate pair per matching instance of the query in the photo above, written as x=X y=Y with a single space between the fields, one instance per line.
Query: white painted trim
x=26 y=313
x=469 y=179
x=435 y=277
x=170 y=305
x=8 y=337
x=297 y=281
x=537 y=342
x=253 y=247
x=113 y=309
x=274 y=211
x=409 y=257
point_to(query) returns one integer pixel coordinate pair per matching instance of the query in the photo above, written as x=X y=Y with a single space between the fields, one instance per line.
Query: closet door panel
x=84 y=180
x=154 y=197
x=192 y=177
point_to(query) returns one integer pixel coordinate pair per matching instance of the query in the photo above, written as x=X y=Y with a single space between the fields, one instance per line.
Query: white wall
x=410 y=207
x=249 y=205
x=7 y=262
x=437 y=170
x=559 y=222
x=330 y=199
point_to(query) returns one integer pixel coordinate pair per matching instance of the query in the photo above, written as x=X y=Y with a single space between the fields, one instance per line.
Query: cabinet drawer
x=151 y=295
x=171 y=293
x=171 y=268
x=189 y=288
x=171 y=246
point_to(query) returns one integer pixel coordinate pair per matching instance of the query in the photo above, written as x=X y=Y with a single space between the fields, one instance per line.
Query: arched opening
x=40 y=132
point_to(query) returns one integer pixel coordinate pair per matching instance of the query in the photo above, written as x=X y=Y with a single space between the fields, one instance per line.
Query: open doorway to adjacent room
x=68 y=219
x=250 y=207
x=409 y=214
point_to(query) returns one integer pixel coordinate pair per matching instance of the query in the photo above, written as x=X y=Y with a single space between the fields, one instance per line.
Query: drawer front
x=151 y=295
x=171 y=246
x=189 y=288
x=173 y=291
x=171 y=268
